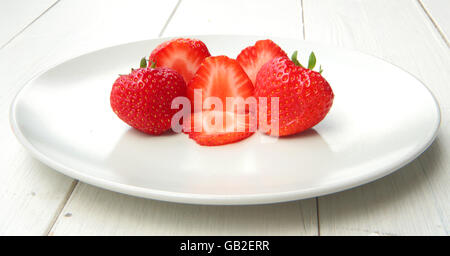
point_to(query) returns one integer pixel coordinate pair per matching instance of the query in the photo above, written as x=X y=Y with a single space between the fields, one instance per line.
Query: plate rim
x=216 y=199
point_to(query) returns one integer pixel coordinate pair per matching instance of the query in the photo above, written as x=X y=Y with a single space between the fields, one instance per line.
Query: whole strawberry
x=305 y=97
x=183 y=55
x=143 y=98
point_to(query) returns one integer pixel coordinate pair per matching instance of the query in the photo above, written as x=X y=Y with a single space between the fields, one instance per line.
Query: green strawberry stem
x=143 y=63
x=153 y=64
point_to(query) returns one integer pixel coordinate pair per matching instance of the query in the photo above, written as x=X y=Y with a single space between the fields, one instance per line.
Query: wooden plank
x=253 y=17
x=16 y=15
x=95 y=211
x=32 y=195
x=414 y=200
x=439 y=12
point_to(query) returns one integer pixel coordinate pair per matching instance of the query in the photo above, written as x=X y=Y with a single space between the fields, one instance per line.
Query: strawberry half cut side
x=183 y=55
x=214 y=128
x=254 y=57
x=220 y=77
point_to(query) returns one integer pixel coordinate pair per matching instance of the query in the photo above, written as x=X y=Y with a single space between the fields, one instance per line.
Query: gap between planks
x=436 y=26
x=29 y=24
x=75 y=183
x=170 y=18
x=61 y=207
x=303 y=20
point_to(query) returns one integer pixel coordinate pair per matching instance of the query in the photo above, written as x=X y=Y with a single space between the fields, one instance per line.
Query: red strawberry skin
x=221 y=77
x=143 y=98
x=183 y=55
x=254 y=57
x=236 y=127
x=305 y=97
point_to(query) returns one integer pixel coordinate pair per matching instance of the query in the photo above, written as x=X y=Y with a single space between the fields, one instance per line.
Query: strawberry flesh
x=183 y=55
x=214 y=128
x=254 y=57
x=220 y=77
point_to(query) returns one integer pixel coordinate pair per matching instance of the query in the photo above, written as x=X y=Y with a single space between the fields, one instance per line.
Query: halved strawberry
x=254 y=57
x=221 y=77
x=214 y=128
x=184 y=55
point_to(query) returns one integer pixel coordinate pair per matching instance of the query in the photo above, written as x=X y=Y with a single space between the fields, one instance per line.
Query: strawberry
x=253 y=57
x=211 y=132
x=184 y=55
x=305 y=97
x=143 y=98
x=220 y=77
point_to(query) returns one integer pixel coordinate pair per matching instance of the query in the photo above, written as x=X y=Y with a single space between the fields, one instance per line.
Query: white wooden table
x=413 y=34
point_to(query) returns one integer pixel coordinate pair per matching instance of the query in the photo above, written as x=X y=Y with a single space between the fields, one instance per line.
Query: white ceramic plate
x=382 y=118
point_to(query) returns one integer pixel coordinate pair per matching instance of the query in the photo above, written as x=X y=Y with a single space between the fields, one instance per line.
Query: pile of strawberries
x=181 y=67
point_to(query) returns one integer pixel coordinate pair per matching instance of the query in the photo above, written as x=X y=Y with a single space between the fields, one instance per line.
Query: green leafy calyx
x=311 y=62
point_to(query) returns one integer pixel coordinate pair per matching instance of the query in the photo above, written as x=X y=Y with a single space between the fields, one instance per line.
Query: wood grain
x=31 y=194
x=414 y=200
